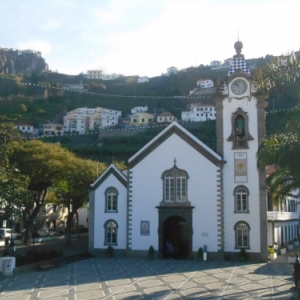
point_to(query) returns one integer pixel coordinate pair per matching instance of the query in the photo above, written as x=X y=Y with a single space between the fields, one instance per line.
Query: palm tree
x=283 y=150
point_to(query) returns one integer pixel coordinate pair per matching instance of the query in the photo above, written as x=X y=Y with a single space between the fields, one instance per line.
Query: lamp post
x=32 y=233
x=12 y=242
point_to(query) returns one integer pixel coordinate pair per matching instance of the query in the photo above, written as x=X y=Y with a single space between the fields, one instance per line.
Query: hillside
x=38 y=98
x=42 y=100
x=122 y=148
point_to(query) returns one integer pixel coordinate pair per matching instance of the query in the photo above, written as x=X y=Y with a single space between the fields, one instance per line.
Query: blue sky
x=145 y=37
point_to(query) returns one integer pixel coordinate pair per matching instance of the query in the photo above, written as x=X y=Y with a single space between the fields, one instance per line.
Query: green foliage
x=243 y=254
x=22 y=108
x=151 y=253
x=200 y=253
x=47 y=166
x=280 y=79
x=271 y=250
x=283 y=150
x=37 y=255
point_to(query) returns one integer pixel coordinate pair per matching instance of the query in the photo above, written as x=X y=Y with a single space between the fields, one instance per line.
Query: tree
x=22 y=108
x=281 y=72
x=8 y=133
x=12 y=187
x=73 y=189
x=283 y=150
x=43 y=164
x=14 y=194
x=280 y=79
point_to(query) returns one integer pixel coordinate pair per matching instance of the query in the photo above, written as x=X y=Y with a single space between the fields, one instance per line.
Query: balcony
x=282 y=216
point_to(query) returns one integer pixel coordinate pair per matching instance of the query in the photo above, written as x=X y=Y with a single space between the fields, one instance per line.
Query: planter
x=272 y=256
x=290 y=247
x=283 y=251
x=291 y=259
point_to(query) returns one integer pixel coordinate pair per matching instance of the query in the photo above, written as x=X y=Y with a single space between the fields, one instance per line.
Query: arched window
x=242 y=235
x=241 y=196
x=111 y=200
x=111 y=229
x=181 y=187
x=240 y=132
x=169 y=187
x=175 y=185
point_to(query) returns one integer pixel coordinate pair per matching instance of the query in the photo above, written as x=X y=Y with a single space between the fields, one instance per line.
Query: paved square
x=100 y=278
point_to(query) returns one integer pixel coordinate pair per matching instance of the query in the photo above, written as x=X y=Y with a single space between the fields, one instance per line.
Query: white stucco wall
x=253 y=217
x=147 y=193
x=101 y=216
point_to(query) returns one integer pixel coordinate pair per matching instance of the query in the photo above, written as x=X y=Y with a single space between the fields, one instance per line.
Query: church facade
x=177 y=190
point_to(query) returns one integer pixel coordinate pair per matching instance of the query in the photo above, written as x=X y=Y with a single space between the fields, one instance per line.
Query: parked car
x=61 y=229
x=79 y=228
x=52 y=232
x=34 y=233
x=43 y=232
x=8 y=232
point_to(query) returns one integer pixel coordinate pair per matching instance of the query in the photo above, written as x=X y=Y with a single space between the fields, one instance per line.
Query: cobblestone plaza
x=127 y=278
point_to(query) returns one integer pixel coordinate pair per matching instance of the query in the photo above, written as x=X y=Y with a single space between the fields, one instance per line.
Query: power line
x=117 y=96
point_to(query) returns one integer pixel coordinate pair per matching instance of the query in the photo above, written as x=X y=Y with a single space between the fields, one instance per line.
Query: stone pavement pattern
x=128 y=278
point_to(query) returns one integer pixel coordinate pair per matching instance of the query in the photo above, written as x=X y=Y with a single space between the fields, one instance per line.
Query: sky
x=145 y=37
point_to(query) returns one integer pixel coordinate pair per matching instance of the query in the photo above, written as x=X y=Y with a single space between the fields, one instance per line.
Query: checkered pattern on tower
x=239 y=64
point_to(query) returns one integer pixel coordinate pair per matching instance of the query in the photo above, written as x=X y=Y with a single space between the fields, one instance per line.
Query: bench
x=46 y=265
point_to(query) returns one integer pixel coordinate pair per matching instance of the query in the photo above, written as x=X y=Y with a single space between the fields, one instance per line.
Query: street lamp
x=12 y=242
x=32 y=233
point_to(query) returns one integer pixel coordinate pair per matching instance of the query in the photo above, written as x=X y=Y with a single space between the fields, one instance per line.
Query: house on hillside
x=228 y=62
x=141 y=119
x=110 y=76
x=165 y=117
x=205 y=83
x=25 y=128
x=178 y=190
x=74 y=87
x=53 y=129
x=139 y=109
x=83 y=119
x=94 y=74
x=215 y=64
x=171 y=70
x=142 y=80
x=199 y=112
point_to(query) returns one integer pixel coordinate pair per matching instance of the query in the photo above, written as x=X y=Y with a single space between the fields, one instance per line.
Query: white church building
x=177 y=189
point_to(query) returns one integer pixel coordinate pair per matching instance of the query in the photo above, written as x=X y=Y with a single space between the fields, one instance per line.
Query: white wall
x=101 y=217
x=252 y=183
x=147 y=193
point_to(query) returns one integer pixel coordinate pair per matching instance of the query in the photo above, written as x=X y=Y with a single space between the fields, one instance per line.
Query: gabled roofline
x=175 y=128
x=112 y=169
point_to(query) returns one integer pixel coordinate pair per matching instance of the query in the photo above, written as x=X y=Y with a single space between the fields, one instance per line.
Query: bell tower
x=240 y=131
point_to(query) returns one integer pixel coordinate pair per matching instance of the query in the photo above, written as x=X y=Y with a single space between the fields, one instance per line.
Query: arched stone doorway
x=176 y=232
x=175 y=225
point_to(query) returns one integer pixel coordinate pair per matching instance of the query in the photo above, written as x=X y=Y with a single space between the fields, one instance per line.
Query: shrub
x=109 y=252
x=151 y=253
x=37 y=255
x=243 y=254
x=271 y=250
x=200 y=253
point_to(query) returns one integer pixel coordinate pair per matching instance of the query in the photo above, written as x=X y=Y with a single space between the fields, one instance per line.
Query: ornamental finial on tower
x=239 y=62
x=238 y=49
